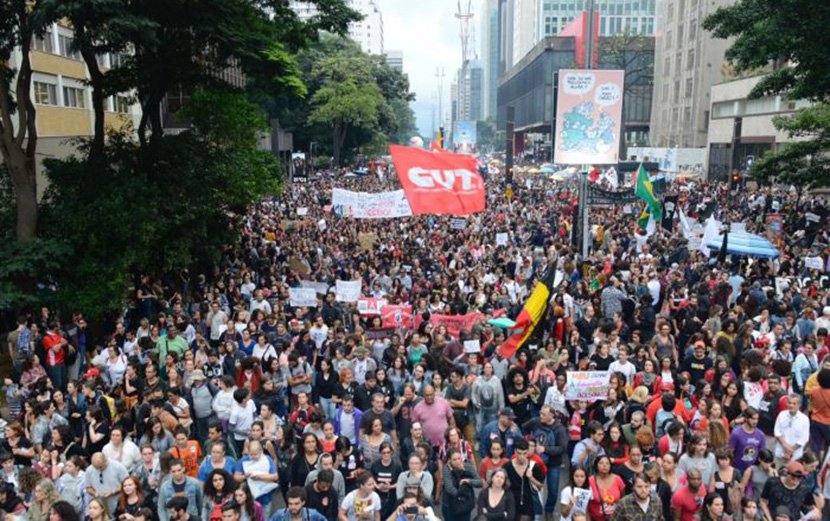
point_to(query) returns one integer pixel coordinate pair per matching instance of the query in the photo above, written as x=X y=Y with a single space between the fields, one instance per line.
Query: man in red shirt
x=55 y=346
x=688 y=500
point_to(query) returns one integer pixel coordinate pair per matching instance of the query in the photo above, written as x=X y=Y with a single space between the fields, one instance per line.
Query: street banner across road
x=439 y=184
x=587 y=385
x=588 y=117
x=365 y=205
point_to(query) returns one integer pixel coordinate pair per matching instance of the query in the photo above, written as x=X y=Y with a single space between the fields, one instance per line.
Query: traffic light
x=736 y=180
x=440 y=139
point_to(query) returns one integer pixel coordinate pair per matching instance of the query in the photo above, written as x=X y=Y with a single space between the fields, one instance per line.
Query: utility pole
x=439 y=75
x=583 y=181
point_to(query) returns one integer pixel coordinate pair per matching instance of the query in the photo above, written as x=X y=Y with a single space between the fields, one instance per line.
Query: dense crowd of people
x=212 y=398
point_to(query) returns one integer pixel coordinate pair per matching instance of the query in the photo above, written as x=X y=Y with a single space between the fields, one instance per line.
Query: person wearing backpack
x=460 y=481
x=665 y=415
x=487 y=397
x=201 y=403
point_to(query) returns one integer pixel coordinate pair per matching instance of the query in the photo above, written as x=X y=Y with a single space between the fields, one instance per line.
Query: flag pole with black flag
x=724 y=245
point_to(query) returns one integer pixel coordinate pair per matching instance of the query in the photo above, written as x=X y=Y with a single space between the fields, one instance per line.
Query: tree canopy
x=789 y=40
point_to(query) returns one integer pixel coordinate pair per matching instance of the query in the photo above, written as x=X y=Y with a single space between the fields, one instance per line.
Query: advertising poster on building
x=464 y=137
x=588 y=117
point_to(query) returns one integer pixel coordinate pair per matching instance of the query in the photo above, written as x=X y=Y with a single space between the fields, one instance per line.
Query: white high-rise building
x=395 y=59
x=368 y=33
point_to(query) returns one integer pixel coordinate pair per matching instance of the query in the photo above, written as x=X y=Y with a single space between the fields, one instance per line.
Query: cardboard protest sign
x=298 y=267
x=367 y=241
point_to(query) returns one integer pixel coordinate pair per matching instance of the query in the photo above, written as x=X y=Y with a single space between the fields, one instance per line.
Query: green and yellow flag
x=645 y=191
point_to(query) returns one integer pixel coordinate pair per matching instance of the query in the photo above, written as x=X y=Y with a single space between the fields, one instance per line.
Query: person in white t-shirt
x=622 y=365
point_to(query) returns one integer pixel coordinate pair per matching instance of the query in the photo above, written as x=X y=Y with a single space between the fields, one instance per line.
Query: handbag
x=465 y=500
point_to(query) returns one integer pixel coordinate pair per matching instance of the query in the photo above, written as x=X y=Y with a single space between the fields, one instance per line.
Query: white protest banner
x=738 y=227
x=813 y=263
x=581 y=498
x=302 y=212
x=320 y=287
x=753 y=393
x=371 y=306
x=781 y=285
x=501 y=239
x=528 y=184
x=627 y=209
x=302 y=297
x=587 y=385
x=458 y=223
x=472 y=346
x=348 y=290
x=322 y=225
x=365 y=205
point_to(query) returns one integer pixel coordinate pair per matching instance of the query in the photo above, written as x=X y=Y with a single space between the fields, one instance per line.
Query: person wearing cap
x=201 y=397
x=504 y=429
x=788 y=490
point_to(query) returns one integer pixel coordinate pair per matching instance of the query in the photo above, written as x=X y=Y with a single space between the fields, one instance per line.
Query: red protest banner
x=397 y=316
x=439 y=183
x=371 y=306
x=455 y=324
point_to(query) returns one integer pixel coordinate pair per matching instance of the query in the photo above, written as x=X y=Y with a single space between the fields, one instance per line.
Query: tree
x=793 y=38
x=349 y=97
x=20 y=22
x=486 y=135
x=633 y=53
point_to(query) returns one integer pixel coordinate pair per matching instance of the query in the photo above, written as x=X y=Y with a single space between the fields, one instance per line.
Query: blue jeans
x=328 y=408
x=553 y=489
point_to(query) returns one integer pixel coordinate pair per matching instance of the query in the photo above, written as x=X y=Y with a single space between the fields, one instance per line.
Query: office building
x=616 y=16
x=395 y=59
x=368 y=33
x=688 y=61
x=490 y=56
x=63 y=98
x=470 y=92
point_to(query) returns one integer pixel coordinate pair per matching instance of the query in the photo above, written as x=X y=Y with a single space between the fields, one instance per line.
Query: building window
x=45 y=93
x=122 y=105
x=690 y=59
x=668 y=39
x=73 y=97
x=680 y=35
x=676 y=91
x=669 y=12
x=667 y=66
x=687 y=115
x=692 y=29
x=43 y=44
x=65 y=43
x=689 y=87
x=665 y=92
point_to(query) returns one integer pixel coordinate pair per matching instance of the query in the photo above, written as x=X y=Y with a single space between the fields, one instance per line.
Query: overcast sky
x=427 y=33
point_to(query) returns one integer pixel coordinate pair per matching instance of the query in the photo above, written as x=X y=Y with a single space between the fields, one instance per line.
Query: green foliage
x=791 y=32
x=765 y=33
x=486 y=136
x=160 y=208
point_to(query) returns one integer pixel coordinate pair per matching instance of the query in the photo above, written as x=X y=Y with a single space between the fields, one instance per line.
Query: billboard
x=588 y=117
x=464 y=136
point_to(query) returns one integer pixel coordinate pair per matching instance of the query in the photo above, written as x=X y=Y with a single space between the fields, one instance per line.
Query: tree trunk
x=96 y=149
x=24 y=178
x=338 y=142
x=623 y=146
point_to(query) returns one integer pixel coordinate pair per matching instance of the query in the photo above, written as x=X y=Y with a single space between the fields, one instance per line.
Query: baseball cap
x=507 y=411
x=795 y=468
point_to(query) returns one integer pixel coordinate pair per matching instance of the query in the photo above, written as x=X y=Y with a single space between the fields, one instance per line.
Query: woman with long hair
x=633 y=466
x=157 y=436
x=97 y=433
x=325 y=382
x=820 y=418
x=18 y=445
x=398 y=374
x=251 y=508
x=348 y=460
x=495 y=460
x=496 y=503
x=698 y=456
x=306 y=460
x=606 y=487
x=519 y=393
x=63 y=511
x=572 y=499
x=131 y=499
x=217 y=490
x=615 y=444
x=45 y=495
x=726 y=480
x=713 y=508
x=97 y=510
x=371 y=441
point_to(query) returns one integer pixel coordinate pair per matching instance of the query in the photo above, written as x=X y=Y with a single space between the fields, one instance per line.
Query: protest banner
x=458 y=223
x=320 y=287
x=472 y=346
x=371 y=306
x=365 y=205
x=397 y=316
x=302 y=212
x=322 y=225
x=375 y=334
x=587 y=385
x=302 y=297
x=501 y=239
x=441 y=184
x=454 y=323
x=348 y=290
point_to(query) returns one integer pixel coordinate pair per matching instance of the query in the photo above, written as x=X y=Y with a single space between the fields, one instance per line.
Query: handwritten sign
x=458 y=223
x=587 y=385
x=302 y=212
x=813 y=263
x=320 y=287
x=302 y=297
x=501 y=239
x=472 y=346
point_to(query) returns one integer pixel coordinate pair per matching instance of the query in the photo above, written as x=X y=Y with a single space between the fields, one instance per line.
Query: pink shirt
x=434 y=419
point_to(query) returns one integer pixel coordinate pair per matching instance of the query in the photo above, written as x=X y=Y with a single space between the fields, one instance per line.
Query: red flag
x=594 y=175
x=443 y=184
x=433 y=145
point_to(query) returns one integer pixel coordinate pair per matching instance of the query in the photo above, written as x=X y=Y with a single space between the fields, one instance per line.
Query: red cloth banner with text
x=455 y=324
x=442 y=184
